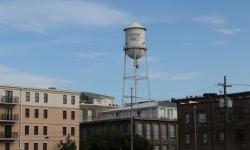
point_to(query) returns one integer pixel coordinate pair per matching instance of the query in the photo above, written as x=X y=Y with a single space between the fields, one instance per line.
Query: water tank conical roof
x=135 y=25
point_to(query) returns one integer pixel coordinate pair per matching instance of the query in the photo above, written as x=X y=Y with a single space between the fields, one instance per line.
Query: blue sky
x=78 y=45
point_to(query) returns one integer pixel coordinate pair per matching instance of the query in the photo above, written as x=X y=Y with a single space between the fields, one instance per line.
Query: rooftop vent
x=52 y=88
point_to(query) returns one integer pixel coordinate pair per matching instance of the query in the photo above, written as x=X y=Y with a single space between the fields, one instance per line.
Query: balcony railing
x=9 y=118
x=9 y=99
x=145 y=116
x=8 y=135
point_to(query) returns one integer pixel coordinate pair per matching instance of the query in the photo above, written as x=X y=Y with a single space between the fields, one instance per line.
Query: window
x=220 y=136
x=35 y=146
x=187 y=118
x=162 y=110
x=72 y=131
x=81 y=115
x=121 y=127
x=27 y=96
x=27 y=112
x=156 y=147
x=45 y=129
x=89 y=115
x=164 y=131
x=204 y=138
x=64 y=130
x=139 y=129
x=26 y=131
x=72 y=115
x=64 y=114
x=239 y=136
x=172 y=131
x=202 y=117
x=44 y=146
x=64 y=99
x=35 y=130
x=170 y=113
x=238 y=114
x=26 y=146
x=45 y=113
x=148 y=129
x=187 y=138
x=113 y=126
x=45 y=98
x=156 y=131
x=36 y=97
x=9 y=96
x=165 y=147
x=172 y=147
x=36 y=113
x=128 y=127
x=7 y=146
x=73 y=100
x=219 y=115
x=84 y=134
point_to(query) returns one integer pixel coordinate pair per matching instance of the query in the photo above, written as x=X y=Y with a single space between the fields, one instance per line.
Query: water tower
x=135 y=48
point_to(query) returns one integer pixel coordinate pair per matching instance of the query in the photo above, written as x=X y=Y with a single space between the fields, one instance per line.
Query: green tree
x=84 y=97
x=114 y=140
x=68 y=145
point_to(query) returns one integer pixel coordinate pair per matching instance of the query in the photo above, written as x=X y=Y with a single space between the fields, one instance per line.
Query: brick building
x=155 y=121
x=195 y=124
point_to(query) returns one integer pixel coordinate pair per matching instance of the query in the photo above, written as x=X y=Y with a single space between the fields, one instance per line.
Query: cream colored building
x=37 y=119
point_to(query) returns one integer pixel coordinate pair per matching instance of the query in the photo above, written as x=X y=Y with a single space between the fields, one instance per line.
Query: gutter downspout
x=20 y=126
x=195 y=139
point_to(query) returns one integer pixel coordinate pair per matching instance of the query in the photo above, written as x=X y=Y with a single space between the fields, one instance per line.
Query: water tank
x=221 y=103
x=135 y=40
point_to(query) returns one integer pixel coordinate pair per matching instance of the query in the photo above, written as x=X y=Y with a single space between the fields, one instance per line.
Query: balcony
x=144 y=116
x=9 y=100
x=8 y=136
x=9 y=118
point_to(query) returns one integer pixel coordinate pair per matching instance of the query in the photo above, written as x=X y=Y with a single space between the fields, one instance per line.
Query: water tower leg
x=135 y=75
x=124 y=78
x=147 y=75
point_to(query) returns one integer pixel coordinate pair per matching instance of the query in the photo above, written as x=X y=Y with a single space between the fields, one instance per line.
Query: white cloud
x=90 y=55
x=13 y=76
x=228 y=31
x=218 y=43
x=40 y=16
x=172 y=76
x=211 y=19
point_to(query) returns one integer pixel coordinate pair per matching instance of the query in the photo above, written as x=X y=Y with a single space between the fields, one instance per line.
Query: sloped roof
x=135 y=25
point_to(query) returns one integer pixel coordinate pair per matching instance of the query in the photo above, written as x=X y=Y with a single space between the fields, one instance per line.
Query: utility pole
x=225 y=107
x=131 y=114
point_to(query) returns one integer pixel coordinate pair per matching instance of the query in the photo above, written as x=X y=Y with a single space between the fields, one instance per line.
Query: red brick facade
x=238 y=123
